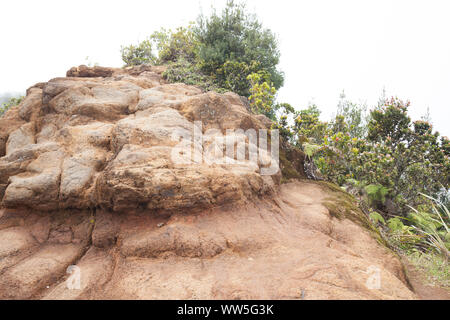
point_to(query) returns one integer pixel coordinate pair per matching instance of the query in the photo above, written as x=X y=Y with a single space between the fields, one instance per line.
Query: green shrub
x=175 y=45
x=188 y=73
x=236 y=36
x=141 y=53
x=14 y=101
x=234 y=76
x=308 y=127
x=376 y=193
x=352 y=115
x=377 y=218
x=222 y=49
x=262 y=94
x=400 y=157
x=433 y=225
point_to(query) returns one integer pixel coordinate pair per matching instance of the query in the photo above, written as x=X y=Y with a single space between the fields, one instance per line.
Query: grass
x=434 y=266
x=342 y=205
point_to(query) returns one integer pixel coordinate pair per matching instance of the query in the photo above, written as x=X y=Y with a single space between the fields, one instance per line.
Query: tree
x=308 y=127
x=223 y=50
x=354 y=115
x=390 y=121
x=237 y=36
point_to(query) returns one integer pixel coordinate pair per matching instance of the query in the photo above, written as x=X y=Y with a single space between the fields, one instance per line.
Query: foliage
x=390 y=121
x=188 y=73
x=307 y=126
x=238 y=37
x=234 y=76
x=224 y=50
x=392 y=163
x=14 y=101
x=141 y=53
x=435 y=267
x=377 y=218
x=352 y=115
x=433 y=225
x=425 y=231
x=311 y=149
x=262 y=94
x=280 y=114
x=376 y=193
x=174 y=45
x=400 y=157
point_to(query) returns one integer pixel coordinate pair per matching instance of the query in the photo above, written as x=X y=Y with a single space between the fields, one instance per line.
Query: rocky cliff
x=96 y=172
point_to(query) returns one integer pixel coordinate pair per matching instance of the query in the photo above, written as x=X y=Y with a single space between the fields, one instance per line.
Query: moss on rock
x=342 y=205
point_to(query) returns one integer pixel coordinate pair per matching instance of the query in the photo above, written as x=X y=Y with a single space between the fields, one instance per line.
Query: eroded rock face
x=97 y=178
x=104 y=137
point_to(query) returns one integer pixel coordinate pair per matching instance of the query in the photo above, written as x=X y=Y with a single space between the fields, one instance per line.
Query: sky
x=362 y=47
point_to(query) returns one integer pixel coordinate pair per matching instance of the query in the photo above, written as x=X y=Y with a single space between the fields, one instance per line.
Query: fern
x=377 y=193
x=311 y=149
x=377 y=218
x=395 y=225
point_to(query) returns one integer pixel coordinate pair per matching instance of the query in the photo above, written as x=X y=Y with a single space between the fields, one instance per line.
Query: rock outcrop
x=129 y=178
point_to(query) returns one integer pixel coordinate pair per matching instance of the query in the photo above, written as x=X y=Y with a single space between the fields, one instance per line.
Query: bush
x=234 y=76
x=188 y=73
x=224 y=50
x=173 y=46
x=237 y=37
x=308 y=127
x=353 y=115
x=391 y=162
x=262 y=95
x=14 y=101
x=141 y=53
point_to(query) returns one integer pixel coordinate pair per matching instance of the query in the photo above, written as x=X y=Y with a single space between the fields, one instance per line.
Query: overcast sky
x=358 y=46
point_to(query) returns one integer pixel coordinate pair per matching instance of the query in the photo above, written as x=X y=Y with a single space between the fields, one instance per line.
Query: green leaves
x=376 y=193
x=426 y=230
x=402 y=158
x=188 y=73
x=390 y=120
x=395 y=224
x=237 y=36
x=141 y=53
x=14 y=101
x=234 y=76
x=311 y=149
x=262 y=94
x=223 y=49
x=377 y=218
x=175 y=45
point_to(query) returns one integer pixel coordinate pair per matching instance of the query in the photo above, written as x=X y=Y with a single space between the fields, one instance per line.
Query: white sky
x=358 y=46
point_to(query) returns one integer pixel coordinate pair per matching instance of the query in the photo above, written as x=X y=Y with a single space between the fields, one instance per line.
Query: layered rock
x=104 y=137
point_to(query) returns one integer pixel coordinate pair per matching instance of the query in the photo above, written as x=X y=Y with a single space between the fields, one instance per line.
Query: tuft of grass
x=433 y=227
x=434 y=266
